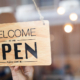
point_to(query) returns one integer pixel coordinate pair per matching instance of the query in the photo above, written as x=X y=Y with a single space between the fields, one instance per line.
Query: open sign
x=25 y=43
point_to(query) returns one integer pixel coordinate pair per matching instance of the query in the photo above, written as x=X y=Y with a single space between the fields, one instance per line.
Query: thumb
x=14 y=75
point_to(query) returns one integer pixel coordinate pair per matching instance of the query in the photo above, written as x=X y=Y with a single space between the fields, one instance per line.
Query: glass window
x=46 y=2
x=24 y=2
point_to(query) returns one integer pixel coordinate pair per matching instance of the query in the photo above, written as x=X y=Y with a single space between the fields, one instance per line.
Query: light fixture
x=73 y=16
x=60 y=10
x=68 y=28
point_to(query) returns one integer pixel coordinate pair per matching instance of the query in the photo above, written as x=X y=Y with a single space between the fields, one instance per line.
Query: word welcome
x=17 y=33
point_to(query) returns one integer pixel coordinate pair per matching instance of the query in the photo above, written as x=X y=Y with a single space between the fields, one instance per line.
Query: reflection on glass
x=68 y=28
x=60 y=10
x=73 y=16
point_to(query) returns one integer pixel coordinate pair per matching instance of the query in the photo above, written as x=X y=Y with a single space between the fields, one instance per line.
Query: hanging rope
x=41 y=17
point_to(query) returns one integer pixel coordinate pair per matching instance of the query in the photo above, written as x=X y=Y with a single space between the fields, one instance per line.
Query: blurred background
x=64 y=18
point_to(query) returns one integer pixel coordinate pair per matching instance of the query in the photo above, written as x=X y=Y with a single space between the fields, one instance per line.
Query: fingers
x=20 y=75
x=16 y=68
x=17 y=73
x=28 y=71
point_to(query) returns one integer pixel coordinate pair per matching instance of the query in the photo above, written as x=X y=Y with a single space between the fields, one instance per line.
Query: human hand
x=22 y=73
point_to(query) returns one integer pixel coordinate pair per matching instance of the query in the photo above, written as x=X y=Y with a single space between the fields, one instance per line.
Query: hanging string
x=41 y=17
